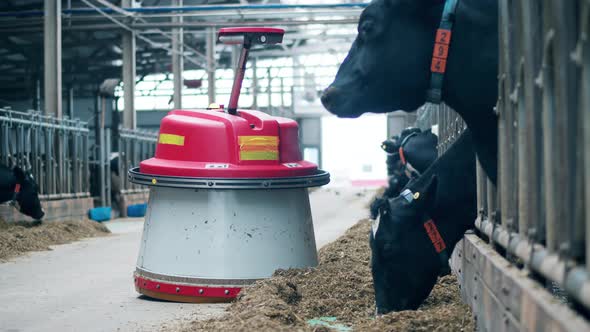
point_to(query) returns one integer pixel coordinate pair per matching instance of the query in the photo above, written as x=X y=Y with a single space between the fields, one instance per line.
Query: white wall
x=351 y=148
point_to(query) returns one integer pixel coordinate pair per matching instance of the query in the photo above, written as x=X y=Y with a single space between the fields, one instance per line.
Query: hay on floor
x=341 y=287
x=19 y=238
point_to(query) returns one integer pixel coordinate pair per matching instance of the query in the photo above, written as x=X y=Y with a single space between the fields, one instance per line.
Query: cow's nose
x=328 y=97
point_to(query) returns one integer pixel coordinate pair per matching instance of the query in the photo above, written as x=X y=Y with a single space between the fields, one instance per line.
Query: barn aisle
x=88 y=285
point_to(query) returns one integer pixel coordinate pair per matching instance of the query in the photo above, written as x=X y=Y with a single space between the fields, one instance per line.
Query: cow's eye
x=367 y=29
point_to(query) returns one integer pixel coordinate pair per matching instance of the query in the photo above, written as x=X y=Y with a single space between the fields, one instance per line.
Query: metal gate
x=55 y=150
x=539 y=215
x=526 y=268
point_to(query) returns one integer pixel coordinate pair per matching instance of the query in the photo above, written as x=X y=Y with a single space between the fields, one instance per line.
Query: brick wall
x=57 y=210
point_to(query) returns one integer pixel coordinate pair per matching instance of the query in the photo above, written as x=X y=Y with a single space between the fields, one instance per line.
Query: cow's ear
x=19 y=173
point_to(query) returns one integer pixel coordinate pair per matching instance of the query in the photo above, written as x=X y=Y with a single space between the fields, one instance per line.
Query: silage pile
x=19 y=238
x=337 y=295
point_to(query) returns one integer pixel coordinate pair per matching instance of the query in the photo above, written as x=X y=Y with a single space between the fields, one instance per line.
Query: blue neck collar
x=441 y=52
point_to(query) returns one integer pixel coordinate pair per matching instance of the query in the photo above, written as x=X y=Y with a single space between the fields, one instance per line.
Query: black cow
x=415 y=152
x=395 y=170
x=419 y=152
x=391 y=146
x=405 y=263
x=388 y=66
x=19 y=187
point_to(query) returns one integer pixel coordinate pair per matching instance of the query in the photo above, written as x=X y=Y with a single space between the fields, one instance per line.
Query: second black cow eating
x=418 y=230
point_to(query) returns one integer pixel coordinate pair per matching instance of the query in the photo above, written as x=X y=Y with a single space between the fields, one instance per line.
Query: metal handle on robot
x=250 y=36
x=246 y=36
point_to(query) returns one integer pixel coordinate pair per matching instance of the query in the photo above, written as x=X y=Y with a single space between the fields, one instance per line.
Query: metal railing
x=540 y=215
x=67 y=159
x=134 y=146
x=55 y=150
x=446 y=123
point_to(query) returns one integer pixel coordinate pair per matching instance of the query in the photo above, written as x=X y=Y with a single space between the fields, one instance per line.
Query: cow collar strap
x=433 y=234
x=441 y=52
x=15 y=194
x=402 y=156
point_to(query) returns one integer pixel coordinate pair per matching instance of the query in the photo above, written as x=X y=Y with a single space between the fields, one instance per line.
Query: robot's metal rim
x=191 y=281
x=320 y=178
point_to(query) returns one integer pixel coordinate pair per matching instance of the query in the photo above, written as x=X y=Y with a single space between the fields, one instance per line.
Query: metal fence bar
x=527 y=104
x=107 y=165
x=506 y=183
x=583 y=59
x=57 y=151
x=86 y=164
x=566 y=93
x=544 y=142
x=134 y=146
x=482 y=204
x=540 y=214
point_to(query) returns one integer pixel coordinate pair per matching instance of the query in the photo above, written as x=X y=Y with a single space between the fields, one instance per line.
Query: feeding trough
x=228 y=197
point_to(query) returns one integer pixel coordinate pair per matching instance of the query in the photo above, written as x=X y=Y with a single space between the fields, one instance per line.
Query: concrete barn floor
x=88 y=286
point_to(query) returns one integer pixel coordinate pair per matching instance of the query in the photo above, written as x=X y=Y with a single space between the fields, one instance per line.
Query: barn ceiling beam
x=203 y=9
x=128 y=28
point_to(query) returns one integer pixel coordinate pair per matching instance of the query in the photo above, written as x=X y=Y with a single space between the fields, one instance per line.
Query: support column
x=37 y=96
x=71 y=102
x=211 y=64
x=254 y=84
x=269 y=90
x=177 y=58
x=52 y=58
x=298 y=80
x=128 y=46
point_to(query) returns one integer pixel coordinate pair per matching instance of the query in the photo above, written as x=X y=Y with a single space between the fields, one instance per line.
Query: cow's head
x=404 y=262
x=28 y=196
x=421 y=150
x=388 y=65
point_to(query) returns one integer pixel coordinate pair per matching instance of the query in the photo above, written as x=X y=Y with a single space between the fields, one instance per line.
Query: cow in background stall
x=115 y=179
x=408 y=157
x=395 y=169
x=20 y=189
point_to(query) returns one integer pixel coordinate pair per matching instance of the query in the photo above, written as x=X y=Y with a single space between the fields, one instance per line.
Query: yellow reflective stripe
x=259 y=140
x=259 y=155
x=259 y=147
x=171 y=139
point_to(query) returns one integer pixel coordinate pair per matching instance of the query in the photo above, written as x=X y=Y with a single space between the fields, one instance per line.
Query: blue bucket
x=136 y=211
x=100 y=214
